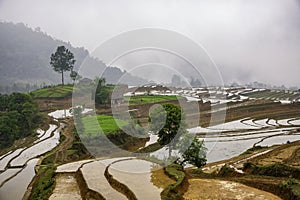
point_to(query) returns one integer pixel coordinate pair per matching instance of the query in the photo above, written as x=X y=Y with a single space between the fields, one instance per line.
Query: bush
x=226 y=171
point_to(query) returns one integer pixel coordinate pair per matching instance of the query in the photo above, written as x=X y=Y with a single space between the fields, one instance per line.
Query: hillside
x=25 y=56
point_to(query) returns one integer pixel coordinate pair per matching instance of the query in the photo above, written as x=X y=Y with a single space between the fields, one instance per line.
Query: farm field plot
x=108 y=124
x=201 y=189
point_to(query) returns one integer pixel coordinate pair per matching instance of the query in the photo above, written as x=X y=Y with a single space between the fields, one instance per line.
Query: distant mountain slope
x=25 y=56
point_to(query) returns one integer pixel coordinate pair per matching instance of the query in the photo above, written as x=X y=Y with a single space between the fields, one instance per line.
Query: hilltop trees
x=62 y=60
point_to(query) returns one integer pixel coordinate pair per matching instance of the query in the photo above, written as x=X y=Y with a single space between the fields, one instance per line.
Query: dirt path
x=66 y=187
x=219 y=189
x=61 y=150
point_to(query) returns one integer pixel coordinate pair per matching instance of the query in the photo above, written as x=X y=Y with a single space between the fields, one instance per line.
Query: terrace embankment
x=274 y=170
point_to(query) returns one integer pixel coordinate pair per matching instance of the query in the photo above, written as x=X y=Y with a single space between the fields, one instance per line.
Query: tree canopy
x=169 y=123
x=103 y=92
x=195 y=154
x=62 y=60
x=18 y=117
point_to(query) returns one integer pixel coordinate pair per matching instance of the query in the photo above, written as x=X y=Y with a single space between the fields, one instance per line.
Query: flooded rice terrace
x=230 y=139
x=17 y=168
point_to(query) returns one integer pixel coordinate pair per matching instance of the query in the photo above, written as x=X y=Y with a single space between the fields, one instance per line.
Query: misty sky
x=250 y=40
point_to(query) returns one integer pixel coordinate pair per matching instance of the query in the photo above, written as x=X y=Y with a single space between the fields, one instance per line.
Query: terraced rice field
x=233 y=138
x=134 y=173
x=202 y=189
x=17 y=167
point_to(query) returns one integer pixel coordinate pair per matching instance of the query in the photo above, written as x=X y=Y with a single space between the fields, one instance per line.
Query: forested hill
x=25 y=56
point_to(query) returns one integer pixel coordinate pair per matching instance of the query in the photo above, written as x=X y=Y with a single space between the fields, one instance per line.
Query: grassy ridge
x=45 y=184
x=146 y=99
x=175 y=172
x=54 y=91
x=107 y=123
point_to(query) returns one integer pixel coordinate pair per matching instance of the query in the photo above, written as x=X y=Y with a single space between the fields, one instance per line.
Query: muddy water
x=16 y=187
x=136 y=174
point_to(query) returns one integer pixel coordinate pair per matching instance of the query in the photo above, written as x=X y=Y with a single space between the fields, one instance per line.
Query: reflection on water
x=15 y=188
x=8 y=173
x=227 y=148
x=38 y=149
x=14 y=181
x=136 y=174
x=5 y=160
x=283 y=139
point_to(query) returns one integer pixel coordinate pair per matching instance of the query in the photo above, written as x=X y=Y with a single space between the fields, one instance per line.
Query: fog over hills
x=25 y=56
x=250 y=41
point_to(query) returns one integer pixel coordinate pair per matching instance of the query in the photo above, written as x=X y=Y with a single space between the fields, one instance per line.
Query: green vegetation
x=275 y=170
x=293 y=186
x=18 y=117
x=75 y=76
x=227 y=171
x=195 y=154
x=53 y=91
x=146 y=99
x=107 y=123
x=168 y=122
x=42 y=189
x=103 y=91
x=175 y=172
x=62 y=60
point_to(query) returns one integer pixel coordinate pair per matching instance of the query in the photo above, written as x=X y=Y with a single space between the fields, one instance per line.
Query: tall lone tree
x=62 y=60
x=168 y=122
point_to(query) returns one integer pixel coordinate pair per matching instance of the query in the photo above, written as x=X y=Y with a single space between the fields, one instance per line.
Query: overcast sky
x=250 y=40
